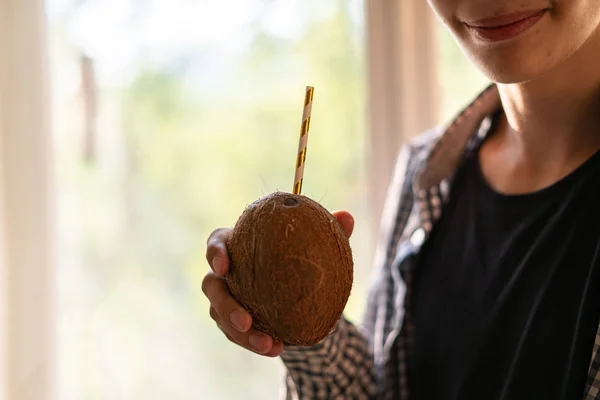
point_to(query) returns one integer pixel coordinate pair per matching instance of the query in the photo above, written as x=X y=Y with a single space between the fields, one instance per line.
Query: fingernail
x=257 y=342
x=218 y=265
x=239 y=320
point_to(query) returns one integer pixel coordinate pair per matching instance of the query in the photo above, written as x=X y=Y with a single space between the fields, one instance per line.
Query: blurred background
x=164 y=120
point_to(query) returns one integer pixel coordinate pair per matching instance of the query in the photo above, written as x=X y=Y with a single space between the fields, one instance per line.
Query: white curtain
x=403 y=85
x=26 y=331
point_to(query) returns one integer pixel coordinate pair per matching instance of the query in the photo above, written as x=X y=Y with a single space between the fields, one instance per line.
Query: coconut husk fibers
x=291 y=268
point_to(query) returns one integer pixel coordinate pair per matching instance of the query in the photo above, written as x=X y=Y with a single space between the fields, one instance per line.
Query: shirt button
x=418 y=237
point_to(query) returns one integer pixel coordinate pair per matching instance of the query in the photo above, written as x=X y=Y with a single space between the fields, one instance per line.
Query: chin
x=513 y=62
x=508 y=70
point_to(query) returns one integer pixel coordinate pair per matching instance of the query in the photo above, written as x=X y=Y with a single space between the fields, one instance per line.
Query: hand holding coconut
x=230 y=316
x=283 y=275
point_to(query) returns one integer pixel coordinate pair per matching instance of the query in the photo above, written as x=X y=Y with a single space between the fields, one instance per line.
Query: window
x=170 y=117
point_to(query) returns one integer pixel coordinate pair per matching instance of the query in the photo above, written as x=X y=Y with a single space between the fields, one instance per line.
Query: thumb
x=346 y=220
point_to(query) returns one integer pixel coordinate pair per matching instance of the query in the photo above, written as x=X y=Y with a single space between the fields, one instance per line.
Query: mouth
x=505 y=27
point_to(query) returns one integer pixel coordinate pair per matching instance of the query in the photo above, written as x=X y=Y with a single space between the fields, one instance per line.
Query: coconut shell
x=291 y=268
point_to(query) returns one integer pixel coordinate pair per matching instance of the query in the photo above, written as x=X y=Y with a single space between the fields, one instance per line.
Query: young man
x=487 y=272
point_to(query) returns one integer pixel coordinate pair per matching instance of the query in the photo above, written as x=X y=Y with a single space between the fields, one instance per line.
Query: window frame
x=26 y=229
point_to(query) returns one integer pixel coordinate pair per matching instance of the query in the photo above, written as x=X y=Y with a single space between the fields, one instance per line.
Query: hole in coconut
x=290 y=202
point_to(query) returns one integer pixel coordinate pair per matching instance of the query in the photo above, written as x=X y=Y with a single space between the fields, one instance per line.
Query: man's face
x=519 y=40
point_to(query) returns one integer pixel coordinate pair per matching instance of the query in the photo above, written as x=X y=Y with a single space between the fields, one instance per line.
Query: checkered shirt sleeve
x=340 y=367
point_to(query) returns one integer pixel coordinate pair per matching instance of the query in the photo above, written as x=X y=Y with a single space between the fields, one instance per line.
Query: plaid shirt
x=370 y=363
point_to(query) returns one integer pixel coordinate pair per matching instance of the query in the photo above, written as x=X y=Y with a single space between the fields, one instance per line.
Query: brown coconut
x=291 y=268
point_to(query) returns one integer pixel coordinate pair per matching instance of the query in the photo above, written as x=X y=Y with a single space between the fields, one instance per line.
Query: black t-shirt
x=506 y=300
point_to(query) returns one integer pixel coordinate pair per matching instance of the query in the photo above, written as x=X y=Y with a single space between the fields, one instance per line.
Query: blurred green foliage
x=196 y=145
x=460 y=81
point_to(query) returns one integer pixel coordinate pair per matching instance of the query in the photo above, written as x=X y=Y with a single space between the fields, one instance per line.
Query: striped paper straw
x=301 y=158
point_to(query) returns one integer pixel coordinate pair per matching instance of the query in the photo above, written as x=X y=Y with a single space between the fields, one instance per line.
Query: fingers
x=231 y=318
x=217 y=292
x=216 y=251
x=252 y=340
x=276 y=350
x=234 y=321
x=346 y=220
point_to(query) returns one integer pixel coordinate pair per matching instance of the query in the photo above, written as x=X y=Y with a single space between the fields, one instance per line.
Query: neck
x=556 y=116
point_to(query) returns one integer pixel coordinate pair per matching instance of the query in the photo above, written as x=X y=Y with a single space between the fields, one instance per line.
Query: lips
x=505 y=27
x=504 y=20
